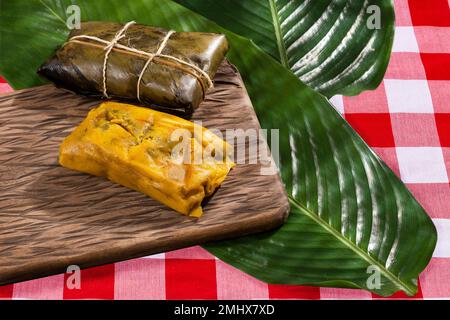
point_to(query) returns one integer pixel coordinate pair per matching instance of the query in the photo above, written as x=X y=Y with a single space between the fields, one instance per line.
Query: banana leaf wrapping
x=177 y=79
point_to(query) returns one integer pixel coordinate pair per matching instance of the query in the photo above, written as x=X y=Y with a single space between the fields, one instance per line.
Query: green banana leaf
x=350 y=214
x=334 y=46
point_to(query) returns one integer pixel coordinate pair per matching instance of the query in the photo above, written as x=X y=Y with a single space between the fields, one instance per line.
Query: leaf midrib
x=278 y=34
x=410 y=290
x=53 y=12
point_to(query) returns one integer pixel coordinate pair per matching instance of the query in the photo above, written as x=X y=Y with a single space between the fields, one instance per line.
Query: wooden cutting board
x=52 y=217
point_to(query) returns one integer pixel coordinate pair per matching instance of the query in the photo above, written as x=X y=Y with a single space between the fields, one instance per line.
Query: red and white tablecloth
x=406 y=121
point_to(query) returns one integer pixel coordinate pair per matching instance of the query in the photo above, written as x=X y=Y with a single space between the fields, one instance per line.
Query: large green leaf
x=331 y=45
x=349 y=211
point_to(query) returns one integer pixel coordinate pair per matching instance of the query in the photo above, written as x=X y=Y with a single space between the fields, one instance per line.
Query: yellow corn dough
x=138 y=148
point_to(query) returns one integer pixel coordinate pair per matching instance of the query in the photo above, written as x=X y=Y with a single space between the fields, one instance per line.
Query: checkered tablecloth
x=406 y=121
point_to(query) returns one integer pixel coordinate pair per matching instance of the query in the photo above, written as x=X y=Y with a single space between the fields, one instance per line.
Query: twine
x=114 y=44
x=160 y=49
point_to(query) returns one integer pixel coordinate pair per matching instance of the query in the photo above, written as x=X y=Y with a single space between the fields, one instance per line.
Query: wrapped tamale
x=137 y=62
x=172 y=160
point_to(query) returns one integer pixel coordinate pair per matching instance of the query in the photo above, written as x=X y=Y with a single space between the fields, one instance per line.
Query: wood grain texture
x=52 y=217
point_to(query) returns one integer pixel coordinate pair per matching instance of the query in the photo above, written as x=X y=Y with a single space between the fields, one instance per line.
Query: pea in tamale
x=170 y=159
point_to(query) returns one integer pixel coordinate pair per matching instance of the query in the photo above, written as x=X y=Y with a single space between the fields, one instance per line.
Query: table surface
x=406 y=121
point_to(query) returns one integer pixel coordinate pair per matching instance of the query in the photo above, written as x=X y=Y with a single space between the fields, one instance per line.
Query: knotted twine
x=114 y=44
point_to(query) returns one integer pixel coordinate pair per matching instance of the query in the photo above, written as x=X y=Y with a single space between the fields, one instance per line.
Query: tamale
x=151 y=152
x=137 y=62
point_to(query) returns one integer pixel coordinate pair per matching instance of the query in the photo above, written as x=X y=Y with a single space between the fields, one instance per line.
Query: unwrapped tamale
x=137 y=62
x=170 y=159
